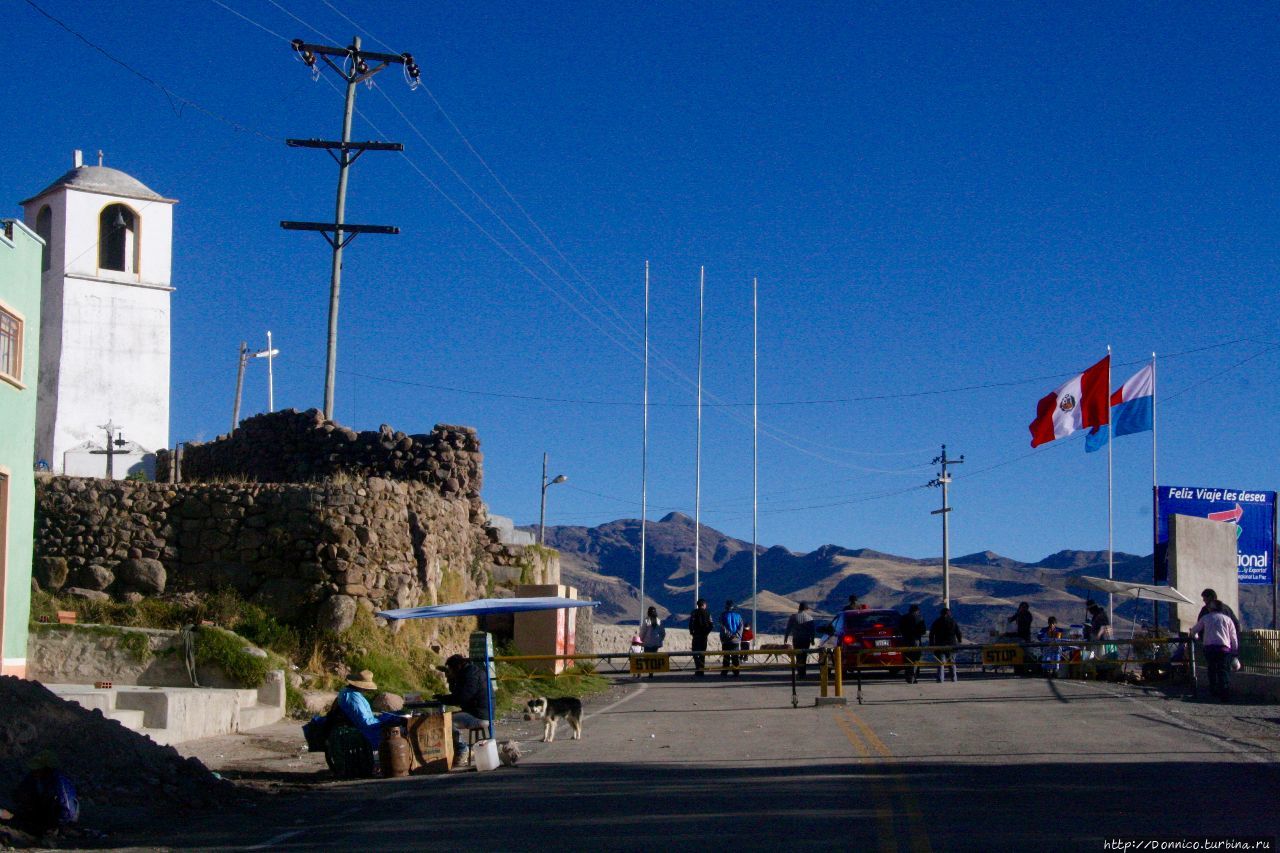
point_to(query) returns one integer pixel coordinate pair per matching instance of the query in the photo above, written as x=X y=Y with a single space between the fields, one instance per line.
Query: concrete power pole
x=235 y=410
x=943 y=480
x=356 y=70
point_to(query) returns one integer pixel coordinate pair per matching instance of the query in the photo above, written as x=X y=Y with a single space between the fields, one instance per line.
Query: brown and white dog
x=552 y=711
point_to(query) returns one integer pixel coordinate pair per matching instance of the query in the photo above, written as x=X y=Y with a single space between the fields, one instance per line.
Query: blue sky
x=933 y=198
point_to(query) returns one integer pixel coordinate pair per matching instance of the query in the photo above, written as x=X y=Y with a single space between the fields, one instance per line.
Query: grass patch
x=226 y=651
x=516 y=685
x=401 y=662
x=224 y=607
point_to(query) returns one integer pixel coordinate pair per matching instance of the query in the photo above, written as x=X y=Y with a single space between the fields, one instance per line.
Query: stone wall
x=301 y=447
x=303 y=551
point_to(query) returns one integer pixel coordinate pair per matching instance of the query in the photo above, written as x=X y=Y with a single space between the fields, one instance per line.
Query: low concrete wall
x=175 y=714
x=84 y=654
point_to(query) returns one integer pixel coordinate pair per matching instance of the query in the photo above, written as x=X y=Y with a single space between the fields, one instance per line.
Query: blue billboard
x=1252 y=513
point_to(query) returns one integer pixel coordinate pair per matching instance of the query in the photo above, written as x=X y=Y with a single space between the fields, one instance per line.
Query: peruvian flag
x=1080 y=403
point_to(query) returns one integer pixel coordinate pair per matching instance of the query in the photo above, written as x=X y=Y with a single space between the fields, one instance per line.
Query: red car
x=874 y=633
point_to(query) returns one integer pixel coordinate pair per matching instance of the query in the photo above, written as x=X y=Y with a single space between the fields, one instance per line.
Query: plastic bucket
x=486 y=754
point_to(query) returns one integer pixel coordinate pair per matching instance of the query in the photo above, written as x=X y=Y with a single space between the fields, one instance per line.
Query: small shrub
x=225 y=650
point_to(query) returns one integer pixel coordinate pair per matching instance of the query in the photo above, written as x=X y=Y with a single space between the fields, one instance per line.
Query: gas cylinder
x=394 y=753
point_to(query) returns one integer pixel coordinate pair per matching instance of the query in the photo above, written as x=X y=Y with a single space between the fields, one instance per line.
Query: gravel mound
x=119 y=774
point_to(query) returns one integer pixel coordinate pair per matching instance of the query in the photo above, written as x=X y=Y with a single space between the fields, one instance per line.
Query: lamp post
x=546 y=484
x=269 y=353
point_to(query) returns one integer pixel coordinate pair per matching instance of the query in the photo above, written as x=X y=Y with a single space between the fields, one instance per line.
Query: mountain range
x=604 y=564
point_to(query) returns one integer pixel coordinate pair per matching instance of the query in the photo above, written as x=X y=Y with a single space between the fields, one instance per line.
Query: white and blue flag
x=1132 y=409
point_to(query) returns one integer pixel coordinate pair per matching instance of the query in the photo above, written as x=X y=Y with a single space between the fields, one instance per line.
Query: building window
x=44 y=228
x=118 y=239
x=10 y=345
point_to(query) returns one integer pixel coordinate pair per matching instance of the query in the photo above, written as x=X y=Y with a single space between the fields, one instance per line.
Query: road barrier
x=1066 y=658
x=1159 y=657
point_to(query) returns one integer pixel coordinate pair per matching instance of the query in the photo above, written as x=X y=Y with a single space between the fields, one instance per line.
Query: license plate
x=881 y=643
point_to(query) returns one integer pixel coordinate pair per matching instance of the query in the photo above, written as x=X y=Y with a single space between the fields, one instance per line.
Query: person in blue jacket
x=353 y=704
x=731 y=638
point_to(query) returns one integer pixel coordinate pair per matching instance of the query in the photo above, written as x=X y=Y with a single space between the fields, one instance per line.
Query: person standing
x=800 y=631
x=945 y=632
x=1099 y=623
x=730 y=638
x=1221 y=642
x=912 y=629
x=700 y=628
x=1022 y=622
x=652 y=634
x=1209 y=596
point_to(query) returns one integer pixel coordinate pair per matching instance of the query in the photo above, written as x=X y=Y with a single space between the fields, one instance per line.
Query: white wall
x=105 y=341
x=114 y=365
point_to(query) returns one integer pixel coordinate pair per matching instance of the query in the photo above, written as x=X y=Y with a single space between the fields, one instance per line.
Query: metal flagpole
x=1155 y=493
x=697 y=467
x=755 y=442
x=644 y=447
x=1110 y=551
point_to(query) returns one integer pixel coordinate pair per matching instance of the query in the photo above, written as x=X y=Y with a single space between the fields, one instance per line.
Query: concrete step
x=175 y=714
x=129 y=719
x=253 y=716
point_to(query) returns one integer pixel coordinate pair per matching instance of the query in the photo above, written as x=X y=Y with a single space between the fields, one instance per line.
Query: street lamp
x=269 y=353
x=546 y=484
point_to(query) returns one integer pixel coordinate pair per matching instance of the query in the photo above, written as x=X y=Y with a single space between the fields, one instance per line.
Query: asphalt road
x=678 y=763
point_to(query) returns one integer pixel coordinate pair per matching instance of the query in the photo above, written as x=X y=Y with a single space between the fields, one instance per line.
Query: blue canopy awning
x=486 y=606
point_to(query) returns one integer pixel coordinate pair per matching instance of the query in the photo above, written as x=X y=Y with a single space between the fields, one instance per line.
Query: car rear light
x=848 y=639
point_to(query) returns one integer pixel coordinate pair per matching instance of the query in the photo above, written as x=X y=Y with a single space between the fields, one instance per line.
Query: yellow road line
x=884 y=805
x=915 y=817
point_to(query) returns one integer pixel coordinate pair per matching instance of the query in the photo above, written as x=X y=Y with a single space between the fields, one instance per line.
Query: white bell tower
x=104 y=325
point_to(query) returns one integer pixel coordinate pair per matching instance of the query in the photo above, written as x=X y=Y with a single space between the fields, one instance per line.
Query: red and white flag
x=1081 y=402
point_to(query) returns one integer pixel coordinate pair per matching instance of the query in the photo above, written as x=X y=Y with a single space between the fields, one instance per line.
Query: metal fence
x=1260 y=652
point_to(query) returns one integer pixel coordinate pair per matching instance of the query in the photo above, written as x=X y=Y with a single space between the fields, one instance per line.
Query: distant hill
x=604 y=563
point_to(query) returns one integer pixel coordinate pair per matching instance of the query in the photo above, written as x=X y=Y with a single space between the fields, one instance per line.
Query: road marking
x=915 y=817
x=274 y=840
x=1222 y=741
x=884 y=805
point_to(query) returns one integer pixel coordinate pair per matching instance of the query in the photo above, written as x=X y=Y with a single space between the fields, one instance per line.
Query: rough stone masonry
x=307 y=518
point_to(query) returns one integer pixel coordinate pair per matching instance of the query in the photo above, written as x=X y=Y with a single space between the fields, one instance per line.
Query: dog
x=552 y=711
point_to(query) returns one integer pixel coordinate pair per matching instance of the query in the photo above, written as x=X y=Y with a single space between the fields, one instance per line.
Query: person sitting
x=352 y=706
x=1051 y=656
x=468 y=691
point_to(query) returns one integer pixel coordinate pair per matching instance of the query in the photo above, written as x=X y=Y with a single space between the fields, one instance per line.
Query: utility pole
x=268 y=353
x=542 y=514
x=240 y=362
x=357 y=70
x=943 y=480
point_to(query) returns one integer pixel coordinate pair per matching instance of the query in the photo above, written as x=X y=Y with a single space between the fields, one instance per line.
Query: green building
x=21 y=258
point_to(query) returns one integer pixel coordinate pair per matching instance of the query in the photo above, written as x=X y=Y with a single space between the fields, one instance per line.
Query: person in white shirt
x=1221 y=642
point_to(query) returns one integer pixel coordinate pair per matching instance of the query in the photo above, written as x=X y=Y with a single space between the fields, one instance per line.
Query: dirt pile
x=119 y=774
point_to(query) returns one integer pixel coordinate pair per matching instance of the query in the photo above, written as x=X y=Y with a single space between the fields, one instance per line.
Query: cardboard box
x=431 y=743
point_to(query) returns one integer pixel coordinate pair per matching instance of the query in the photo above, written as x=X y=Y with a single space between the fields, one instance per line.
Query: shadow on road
x=620 y=806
